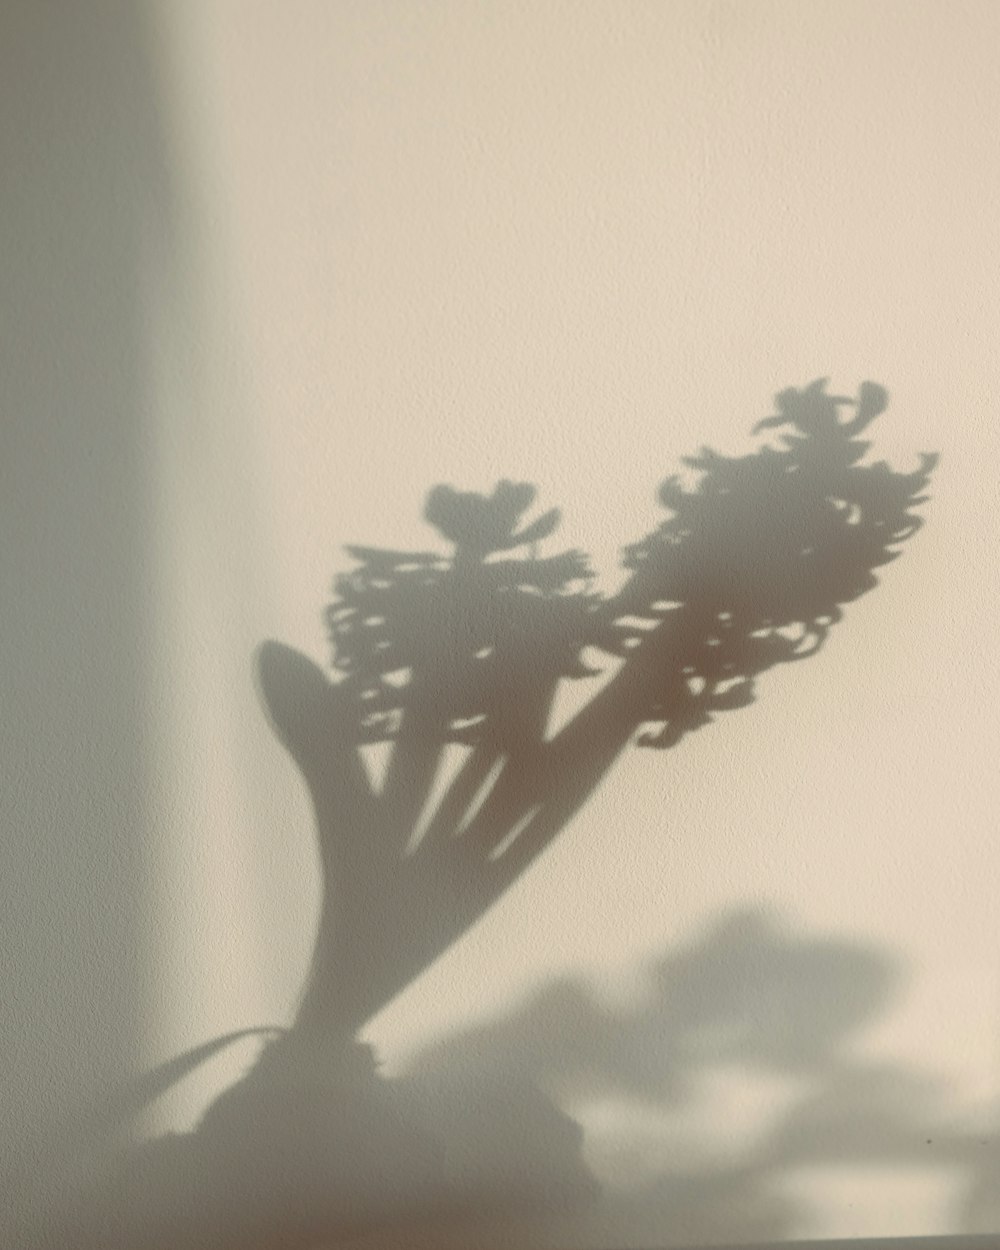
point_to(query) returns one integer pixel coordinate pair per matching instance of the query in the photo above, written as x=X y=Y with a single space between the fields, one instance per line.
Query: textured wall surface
x=271 y=272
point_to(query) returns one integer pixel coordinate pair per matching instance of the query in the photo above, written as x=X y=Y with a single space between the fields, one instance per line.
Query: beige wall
x=570 y=242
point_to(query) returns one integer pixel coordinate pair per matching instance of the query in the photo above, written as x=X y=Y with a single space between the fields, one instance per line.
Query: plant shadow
x=464 y=652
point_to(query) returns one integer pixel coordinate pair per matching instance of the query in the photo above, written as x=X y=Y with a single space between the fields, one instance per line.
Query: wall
x=389 y=245
x=84 y=181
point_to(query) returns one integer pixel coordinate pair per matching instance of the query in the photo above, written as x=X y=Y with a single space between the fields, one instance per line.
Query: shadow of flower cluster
x=756 y=561
x=449 y=635
x=751 y=569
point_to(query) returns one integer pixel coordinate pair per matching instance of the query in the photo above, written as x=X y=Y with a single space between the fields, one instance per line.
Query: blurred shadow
x=467 y=651
x=749 y=1000
x=86 y=199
